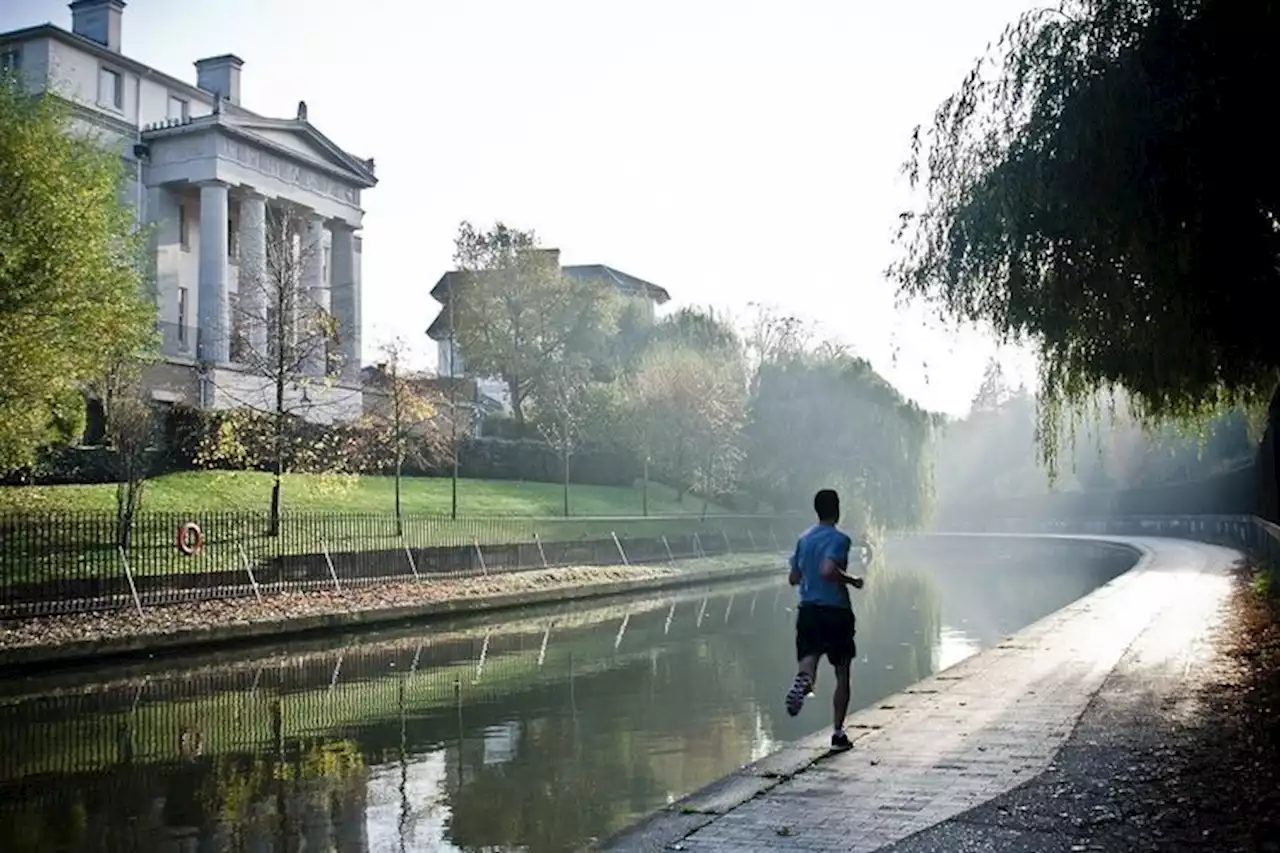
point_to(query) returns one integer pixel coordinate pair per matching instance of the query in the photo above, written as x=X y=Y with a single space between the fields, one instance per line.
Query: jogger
x=825 y=623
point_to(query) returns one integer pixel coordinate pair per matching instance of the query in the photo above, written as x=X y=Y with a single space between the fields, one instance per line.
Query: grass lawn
x=215 y=491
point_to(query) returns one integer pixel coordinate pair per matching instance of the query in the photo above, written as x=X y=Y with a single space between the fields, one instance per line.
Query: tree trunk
x=644 y=488
x=399 y=516
x=517 y=402
x=277 y=462
x=565 y=455
x=277 y=472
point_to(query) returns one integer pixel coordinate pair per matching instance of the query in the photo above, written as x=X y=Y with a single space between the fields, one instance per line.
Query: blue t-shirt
x=815 y=545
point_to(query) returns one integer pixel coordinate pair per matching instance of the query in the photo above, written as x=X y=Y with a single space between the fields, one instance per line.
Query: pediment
x=302 y=140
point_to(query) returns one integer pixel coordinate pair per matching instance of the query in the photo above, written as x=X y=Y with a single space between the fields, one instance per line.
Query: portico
x=241 y=207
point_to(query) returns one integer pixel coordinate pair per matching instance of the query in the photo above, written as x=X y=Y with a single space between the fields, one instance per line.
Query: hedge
x=183 y=430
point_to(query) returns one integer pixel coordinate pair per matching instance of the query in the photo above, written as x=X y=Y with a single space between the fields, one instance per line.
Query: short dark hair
x=826 y=503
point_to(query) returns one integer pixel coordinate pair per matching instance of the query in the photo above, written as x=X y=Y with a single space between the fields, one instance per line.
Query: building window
x=182 y=317
x=179 y=109
x=11 y=59
x=184 y=228
x=324 y=270
x=110 y=89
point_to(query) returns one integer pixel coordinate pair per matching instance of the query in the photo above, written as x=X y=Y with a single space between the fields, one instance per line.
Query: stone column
x=254 y=281
x=315 y=298
x=345 y=289
x=212 y=312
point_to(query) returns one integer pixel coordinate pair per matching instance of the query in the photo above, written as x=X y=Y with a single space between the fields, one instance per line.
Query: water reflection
x=535 y=731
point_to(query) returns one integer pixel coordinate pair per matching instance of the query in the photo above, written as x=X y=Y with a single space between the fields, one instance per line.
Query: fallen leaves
x=200 y=616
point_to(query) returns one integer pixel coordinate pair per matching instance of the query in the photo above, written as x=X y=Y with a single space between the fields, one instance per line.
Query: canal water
x=538 y=731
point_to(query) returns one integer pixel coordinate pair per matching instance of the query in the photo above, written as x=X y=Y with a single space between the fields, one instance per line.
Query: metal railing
x=54 y=563
x=1255 y=536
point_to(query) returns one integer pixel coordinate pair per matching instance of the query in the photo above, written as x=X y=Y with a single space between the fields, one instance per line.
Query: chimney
x=98 y=20
x=220 y=74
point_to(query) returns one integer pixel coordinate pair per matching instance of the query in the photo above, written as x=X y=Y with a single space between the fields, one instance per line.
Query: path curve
x=965 y=735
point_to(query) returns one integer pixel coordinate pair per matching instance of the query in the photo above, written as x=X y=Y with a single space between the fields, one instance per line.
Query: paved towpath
x=925 y=761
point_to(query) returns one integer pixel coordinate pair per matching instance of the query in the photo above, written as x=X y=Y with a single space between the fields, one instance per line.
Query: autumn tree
x=72 y=287
x=561 y=395
x=1086 y=189
x=130 y=435
x=404 y=420
x=514 y=314
x=282 y=336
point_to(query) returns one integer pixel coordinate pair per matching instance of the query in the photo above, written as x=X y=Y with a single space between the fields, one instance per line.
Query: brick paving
x=976 y=732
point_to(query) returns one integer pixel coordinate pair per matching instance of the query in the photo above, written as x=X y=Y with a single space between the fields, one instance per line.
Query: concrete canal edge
x=665 y=829
x=27 y=659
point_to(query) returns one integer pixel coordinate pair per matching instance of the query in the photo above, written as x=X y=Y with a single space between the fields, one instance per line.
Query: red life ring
x=190 y=538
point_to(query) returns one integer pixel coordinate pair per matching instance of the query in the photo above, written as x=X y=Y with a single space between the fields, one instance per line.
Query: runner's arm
x=835 y=566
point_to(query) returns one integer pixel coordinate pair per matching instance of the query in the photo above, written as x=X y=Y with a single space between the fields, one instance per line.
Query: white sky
x=732 y=151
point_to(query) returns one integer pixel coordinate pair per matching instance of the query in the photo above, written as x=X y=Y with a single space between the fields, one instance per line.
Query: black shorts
x=823 y=630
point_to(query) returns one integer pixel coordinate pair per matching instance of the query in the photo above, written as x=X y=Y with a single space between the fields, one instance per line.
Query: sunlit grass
x=217 y=491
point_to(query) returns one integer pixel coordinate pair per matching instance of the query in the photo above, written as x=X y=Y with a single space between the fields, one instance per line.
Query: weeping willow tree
x=1098 y=186
x=826 y=419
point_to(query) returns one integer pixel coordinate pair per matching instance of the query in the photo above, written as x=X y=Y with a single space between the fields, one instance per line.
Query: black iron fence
x=77 y=562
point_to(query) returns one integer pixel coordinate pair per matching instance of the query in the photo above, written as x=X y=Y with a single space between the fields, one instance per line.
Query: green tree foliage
x=1092 y=195
x=515 y=315
x=71 y=287
x=827 y=419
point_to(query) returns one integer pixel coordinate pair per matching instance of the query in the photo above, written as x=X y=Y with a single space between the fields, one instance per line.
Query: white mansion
x=209 y=175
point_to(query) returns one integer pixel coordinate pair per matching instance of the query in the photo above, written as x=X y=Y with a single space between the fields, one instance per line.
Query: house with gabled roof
x=451 y=362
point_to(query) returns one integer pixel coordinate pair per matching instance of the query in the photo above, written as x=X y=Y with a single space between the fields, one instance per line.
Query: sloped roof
x=623 y=281
x=628 y=284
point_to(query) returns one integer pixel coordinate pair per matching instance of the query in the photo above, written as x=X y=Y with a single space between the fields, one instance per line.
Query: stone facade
x=209 y=178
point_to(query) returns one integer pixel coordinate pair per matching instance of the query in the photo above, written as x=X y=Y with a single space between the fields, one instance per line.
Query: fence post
x=244 y=556
x=671 y=558
x=541 y=553
x=697 y=545
x=774 y=537
x=128 y=573
x=751 y=538
x=728 y=547
x=412 y=565
x=332 y=572
x=480 y=554
x=621 y=552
